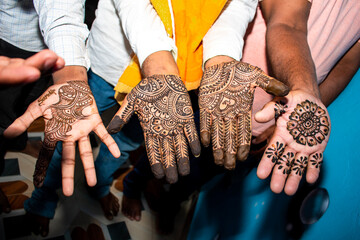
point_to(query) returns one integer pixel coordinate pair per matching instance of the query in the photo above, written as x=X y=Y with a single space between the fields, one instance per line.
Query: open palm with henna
x=300 y=137
x=225 y=98
x=163 y=106
x=70 y=114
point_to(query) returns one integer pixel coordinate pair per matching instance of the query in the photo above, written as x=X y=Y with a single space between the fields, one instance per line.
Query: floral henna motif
x=73 y=98
x=299 y=165
x=308 y=124
x=275 y=151
x=285 y=161
x=316 y=160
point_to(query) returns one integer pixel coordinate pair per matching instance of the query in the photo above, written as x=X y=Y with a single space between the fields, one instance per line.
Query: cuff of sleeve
x=148 y=47
x=72 y=50
x=223 y=47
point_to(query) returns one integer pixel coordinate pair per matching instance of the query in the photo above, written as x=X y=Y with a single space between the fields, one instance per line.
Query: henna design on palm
x=73 y=98
x=164 y=109
x=308 y=124
x=225 y=99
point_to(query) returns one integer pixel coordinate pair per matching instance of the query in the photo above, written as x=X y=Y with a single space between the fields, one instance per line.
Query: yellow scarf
x=193 y=18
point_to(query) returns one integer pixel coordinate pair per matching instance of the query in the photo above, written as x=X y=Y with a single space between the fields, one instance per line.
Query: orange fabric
x=192 y=21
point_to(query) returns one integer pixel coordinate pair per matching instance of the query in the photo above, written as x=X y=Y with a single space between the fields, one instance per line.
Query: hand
x=225 y=98
x=70 y=114
x=166 y=117
x=17 y=70
x=301 y=135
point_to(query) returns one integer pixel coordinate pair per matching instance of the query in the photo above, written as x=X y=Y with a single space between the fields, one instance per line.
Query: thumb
x=266 y=114
x=121 y=117
x=23 y=122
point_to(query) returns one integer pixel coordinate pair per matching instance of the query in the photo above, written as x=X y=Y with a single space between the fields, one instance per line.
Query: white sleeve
x=144 y=28
x=62 y=26
x=226 y=36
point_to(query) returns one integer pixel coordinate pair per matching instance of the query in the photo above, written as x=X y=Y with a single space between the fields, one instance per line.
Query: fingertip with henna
x=115 y=125
x=195 y=148
x=243 y=152
x=277 y=88
x=205 y=138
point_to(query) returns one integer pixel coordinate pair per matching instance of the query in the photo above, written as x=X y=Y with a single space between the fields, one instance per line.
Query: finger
x=168 y=159
x=87 y=158
x=152 y=145
x=313 y=168
x=23 y=122
x=106 y=138
x=296 y=173
x=182 y=154
x=192 y=136
x=272 y=85
x=272 y=153
x=45 y=61
x=205 y=125
x=267 y=113
x=230 y=143
x=68 y=167
x=244 y=136
x=18 y=74
x=282 y=170
x=42 y=164
x=122 y=116
x=217 y=134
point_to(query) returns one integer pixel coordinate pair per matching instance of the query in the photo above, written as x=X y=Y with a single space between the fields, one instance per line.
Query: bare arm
x=340 y=75
x=287 y=47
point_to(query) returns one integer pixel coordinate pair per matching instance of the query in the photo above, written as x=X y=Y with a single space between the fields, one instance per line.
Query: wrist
x=217 y=60
x=161 y=62
x=70 y=73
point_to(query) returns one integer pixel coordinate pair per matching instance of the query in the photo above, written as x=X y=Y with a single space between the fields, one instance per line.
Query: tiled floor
x=77 y=211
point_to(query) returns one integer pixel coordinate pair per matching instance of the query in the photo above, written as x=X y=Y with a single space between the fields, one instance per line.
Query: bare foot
x=4 y=203
x=110 y=206
x=131 y=208
x=38 y=224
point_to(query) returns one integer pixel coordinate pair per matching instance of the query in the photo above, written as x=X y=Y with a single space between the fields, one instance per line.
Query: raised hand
x=300 y=137
x=225 y=99
x=164 y=109
x=70 y=114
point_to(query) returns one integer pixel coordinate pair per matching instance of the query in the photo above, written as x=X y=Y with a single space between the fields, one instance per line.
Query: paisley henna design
x=73 y=98
x=164 y=109
x=299 y=165
x=316 y=160
x=225 y=98
x=308 y=124
x=275 y=151
x=285 y=162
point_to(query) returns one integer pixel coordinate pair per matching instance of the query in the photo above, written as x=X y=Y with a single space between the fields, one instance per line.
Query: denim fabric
x=44 y=200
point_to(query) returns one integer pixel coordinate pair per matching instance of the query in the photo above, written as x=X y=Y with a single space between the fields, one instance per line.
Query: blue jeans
x=43 y=200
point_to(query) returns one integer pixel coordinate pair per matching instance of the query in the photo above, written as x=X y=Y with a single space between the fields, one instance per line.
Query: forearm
x=63 y=29
x=290 y=58
x=226 y=36
x=340 y=75
x=143 y=28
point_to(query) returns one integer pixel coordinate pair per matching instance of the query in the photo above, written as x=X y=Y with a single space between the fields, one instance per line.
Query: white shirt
x=39 y=24
x=125 y=27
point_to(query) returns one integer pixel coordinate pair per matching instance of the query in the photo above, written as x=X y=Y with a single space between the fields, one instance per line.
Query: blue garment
x=44 y=200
